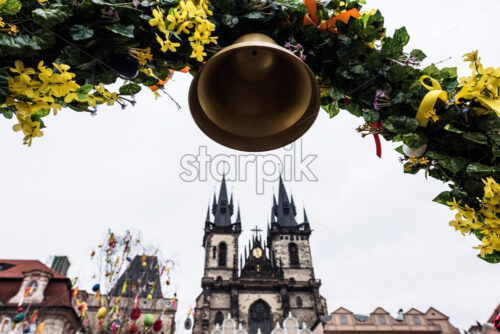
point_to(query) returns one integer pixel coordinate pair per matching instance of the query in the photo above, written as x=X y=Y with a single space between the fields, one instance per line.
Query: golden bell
x=254 y=95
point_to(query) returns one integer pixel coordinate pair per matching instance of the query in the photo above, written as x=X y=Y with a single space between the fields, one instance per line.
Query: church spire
x=238 y=216
x=223 y=209
x=207 y=220
x=305 y=217
x=284 y=210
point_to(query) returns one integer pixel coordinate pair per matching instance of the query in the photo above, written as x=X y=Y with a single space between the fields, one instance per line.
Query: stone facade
x=343 y=321
x=273 y=277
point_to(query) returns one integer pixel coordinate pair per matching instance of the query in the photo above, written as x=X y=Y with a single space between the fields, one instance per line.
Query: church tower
x=221 y=238
x=273 y=277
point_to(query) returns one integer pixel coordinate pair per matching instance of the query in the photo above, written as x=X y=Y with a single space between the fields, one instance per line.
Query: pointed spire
x=207 y=220
x=214 y=205
x=221 y=210
x=231 y=205
x=284 y=210
x=293 y=205
x=305 y=217
x=238 y=216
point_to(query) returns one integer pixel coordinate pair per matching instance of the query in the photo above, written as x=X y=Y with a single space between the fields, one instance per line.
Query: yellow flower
x=157 y=19
x=167 y=45
x=431 y=114
x=485 y=248
x=424 y=161
x=413 y=160
x=198 y=52
x=2 y=23
x=30 y=129
x=13 y=30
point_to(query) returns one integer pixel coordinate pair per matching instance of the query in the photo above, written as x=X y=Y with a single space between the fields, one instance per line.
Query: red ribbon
x=378 y=145
x=497 y=322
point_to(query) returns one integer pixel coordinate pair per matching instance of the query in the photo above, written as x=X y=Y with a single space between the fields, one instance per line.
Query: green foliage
x=10 y=7
x=463 y=144
x=49 y=17
x=80 y=32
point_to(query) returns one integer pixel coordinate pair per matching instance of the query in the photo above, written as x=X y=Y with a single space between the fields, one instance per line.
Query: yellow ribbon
x=430 y=99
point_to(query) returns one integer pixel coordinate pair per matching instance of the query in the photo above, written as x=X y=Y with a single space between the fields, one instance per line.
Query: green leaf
x=122 y=29
x=399 y=149
x=8 y=114
x=10 y=7
x=418 y=54
x=452 y=128
x=22 y=45
x=80 y=32
x=401 y=36
x=489 y=122
x=254 y=16
x=229 y=20
x=476 y=137
x=414 y=140
x=41 y=113
x=371 y=116
x=45 y=39
x=84 y=90
x=400 y=124
x=491 y=258
x=130 y=89
x=443 y=198
x=453 y=164
x=4 y=86
x=478 y=170
x=49 y=17
x=449 y=73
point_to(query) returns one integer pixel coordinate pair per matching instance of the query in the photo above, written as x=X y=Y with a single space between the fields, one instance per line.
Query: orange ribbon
x=160 y=83
x=329 y=25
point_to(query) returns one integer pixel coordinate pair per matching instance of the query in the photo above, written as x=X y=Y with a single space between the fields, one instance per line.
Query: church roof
x=135 y=272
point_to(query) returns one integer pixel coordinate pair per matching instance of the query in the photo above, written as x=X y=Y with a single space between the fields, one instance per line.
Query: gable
x=380 y=310
x=413 y=311
x=432 y=313
x=341 y=310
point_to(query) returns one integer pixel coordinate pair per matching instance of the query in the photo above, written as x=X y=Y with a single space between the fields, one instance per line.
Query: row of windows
x=381 y=320
x=293 y=251
x=293 y=237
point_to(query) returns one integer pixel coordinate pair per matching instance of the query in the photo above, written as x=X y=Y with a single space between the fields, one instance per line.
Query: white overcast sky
x=378 y=238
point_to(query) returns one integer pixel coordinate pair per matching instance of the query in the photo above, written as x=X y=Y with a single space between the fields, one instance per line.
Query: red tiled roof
x=22 y=266
x=495 y=314
x=57 y=292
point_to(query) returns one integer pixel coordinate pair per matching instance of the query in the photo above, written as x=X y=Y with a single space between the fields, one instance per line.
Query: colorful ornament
x=149 y=297
x=101 y=314
x=136 y=314
x=157 y=325
x=148 y=320
x=132 y=329
x=96 y=287
x=19 y=317
x=188 y=323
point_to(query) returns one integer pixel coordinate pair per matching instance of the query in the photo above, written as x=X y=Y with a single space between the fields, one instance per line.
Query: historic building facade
x=343 y=321
x=34 y=297
x=273 y=277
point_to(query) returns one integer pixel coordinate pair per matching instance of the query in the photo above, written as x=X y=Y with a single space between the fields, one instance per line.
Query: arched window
x=294 y=254
x=219 y=318
x=214 y=252
x=222 y=254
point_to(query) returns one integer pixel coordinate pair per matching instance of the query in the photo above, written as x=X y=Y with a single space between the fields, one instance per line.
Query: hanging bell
x=254 y=95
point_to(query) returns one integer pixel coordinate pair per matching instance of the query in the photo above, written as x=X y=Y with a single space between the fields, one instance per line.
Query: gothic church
x=273 y=278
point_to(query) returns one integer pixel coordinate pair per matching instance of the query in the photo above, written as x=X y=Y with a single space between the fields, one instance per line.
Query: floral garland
x=449 y=127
